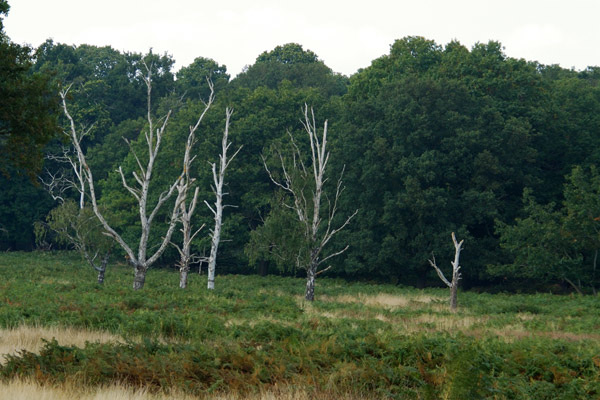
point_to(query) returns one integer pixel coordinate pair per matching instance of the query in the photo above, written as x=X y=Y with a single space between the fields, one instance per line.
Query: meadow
x=63 y=336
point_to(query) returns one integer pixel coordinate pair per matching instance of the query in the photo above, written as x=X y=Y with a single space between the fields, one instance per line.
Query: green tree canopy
x=191 y=80
x=28 y=107
x=553 y=243
x=292 y=63
x=437 y=140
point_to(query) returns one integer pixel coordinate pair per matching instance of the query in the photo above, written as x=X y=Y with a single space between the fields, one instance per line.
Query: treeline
x=432 y=140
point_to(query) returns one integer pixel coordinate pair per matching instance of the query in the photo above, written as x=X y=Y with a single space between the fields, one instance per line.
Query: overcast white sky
x=346 y=35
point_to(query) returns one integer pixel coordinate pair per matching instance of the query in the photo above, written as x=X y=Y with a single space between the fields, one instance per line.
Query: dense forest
x=432 y=139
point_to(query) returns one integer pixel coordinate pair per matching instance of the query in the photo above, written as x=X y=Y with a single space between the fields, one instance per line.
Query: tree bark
x=311 y=274
x=101 y=276
x=216 y=236
x=102 y=268
x=140 y=277
x=183 y=274
x=453 y=297
x=219 y=180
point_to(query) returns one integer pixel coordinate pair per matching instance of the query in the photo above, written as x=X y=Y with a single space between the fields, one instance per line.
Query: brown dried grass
x=30 y=338
x=389 y=301
x=435 y=322
x=512 y=333
x=431 y=313
x=28 y=389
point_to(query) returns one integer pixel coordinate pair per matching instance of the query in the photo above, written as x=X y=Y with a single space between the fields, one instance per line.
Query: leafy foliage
x=192 y=80
x=19 y=211
x=281 y=239
x=79 y=229
x=440 y=140
x=552 y=243
x=292 y=63
x=28 y=108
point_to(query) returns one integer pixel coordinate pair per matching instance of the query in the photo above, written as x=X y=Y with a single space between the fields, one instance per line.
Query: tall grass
x=18 y=389
x=31 y=338
x=255 y=337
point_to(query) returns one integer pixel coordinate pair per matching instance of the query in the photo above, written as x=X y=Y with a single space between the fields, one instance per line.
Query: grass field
x=63 y=336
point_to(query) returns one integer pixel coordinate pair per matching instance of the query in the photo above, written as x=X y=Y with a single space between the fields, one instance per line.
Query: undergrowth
x=254 y=333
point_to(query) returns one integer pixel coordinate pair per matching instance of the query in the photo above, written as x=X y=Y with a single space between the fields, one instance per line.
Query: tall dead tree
x=317 y=232
x=217 y=210
x=186 y=211
x=141 y=260
x=455 y=272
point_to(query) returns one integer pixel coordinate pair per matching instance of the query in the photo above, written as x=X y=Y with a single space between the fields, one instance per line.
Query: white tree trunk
x=217 y=210
x=311 y=274
x=185 y=251
x=102 y=268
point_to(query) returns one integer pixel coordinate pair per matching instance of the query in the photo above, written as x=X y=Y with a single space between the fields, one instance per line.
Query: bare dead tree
x=309 y=210
x=217 y=187
x=143 y=176
x=455 y=272
x=186 y=211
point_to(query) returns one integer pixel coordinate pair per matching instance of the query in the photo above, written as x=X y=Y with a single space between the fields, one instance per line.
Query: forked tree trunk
x=574 y=286
x=91 y=260
x=455 y=272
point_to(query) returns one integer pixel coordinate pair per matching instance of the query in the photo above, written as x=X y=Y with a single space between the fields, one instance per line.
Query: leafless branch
x=439 y=271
